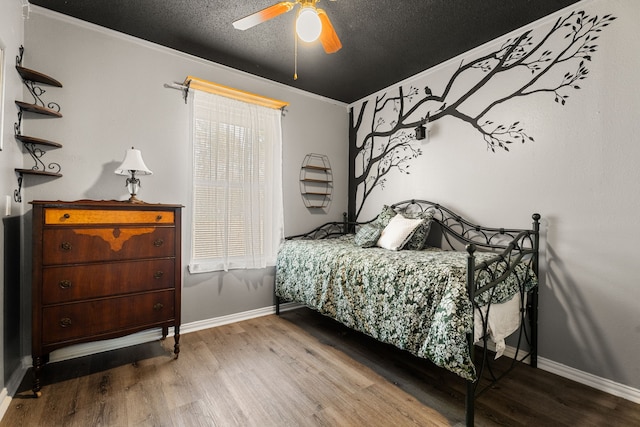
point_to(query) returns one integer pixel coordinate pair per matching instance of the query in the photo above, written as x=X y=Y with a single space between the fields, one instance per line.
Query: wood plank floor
x=298 y=369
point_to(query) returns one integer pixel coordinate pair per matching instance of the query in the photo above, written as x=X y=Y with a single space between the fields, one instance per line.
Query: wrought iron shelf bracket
x=17 y=193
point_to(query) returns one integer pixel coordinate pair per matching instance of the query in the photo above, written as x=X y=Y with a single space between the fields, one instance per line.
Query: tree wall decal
x=553 y=63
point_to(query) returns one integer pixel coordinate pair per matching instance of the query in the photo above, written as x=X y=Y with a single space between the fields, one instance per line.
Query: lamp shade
x=308 y=25
x=133 y=162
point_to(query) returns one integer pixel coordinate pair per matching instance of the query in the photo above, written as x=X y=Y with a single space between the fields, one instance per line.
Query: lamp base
x=134 y=199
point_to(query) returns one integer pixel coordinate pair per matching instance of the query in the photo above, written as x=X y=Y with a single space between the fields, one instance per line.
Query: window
x=237 y=184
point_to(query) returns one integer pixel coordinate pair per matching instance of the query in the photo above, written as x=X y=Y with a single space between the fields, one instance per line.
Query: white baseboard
x=11 y=387
x=599 y=383
x=5 y=400
x=602 y=384
x=237 y=317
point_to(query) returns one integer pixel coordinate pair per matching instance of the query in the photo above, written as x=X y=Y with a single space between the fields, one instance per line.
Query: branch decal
x=551 y=64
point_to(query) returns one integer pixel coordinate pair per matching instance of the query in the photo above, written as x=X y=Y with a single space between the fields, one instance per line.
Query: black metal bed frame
x=511 y=246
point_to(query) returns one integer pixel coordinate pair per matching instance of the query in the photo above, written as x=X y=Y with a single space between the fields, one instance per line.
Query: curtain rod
x=226 y=91
x=229 y=92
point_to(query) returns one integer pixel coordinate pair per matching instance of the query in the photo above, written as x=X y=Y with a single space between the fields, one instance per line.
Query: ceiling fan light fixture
x=308 y=25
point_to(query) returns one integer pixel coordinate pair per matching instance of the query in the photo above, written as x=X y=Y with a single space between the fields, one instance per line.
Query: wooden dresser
x=102 y=269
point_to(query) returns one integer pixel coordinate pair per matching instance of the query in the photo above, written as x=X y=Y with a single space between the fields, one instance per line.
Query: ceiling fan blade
x=263 y=15
x=328 y=37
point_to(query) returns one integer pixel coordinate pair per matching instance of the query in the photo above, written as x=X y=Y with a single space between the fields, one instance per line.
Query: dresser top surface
x=103 y=204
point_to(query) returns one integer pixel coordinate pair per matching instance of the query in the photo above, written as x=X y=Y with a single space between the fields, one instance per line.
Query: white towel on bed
x=504 y=319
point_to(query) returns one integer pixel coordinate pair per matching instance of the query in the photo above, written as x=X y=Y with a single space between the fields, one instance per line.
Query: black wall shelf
x=316 y=181
x=32 y=144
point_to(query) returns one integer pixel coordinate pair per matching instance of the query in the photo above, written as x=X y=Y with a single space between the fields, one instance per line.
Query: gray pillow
x=385 y=216
x=368 y=235
x=419 y=237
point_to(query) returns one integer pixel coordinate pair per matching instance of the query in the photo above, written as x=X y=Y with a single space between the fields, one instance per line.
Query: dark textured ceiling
x=384 y=41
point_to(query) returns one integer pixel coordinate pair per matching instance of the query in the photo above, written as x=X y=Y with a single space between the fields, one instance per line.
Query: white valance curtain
x=237 y=184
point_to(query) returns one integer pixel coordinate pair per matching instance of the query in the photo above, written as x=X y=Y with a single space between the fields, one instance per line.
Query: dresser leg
x=37 y=371
x=176 y=337
x=165 y=332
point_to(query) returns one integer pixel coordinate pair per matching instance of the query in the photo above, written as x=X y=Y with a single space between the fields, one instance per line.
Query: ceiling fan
x=312 y=23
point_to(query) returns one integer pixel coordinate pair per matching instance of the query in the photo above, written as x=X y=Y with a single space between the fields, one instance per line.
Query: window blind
x=237 y=184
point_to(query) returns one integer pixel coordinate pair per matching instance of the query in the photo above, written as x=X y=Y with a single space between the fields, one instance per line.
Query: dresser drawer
x=77 y=245
x=62 y=216
x=93 y=318
x=72 y=283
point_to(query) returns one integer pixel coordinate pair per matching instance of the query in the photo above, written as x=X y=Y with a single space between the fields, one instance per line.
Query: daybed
x=438 y=284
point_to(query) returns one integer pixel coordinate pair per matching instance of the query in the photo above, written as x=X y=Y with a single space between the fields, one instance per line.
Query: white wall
x=581 y=174
x=114 y=98
x=11 y=37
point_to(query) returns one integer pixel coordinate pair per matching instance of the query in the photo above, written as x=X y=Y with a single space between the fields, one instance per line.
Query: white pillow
x=398 y=232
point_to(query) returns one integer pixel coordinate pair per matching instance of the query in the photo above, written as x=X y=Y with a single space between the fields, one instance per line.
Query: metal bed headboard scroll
x=466 y=232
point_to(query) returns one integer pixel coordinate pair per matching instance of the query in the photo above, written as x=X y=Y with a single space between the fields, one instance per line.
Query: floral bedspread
x=415 y=300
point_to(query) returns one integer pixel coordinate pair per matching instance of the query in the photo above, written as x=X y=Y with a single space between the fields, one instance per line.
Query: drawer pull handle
x=65 y=322
x=65 y=246
x=65 y=284
x=158 y=274
x=159 y=306
x=158 y=242
x=66 y=216
x=159 y=217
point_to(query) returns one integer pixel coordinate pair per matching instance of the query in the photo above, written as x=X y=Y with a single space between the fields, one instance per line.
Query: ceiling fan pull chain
x=295 y=57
